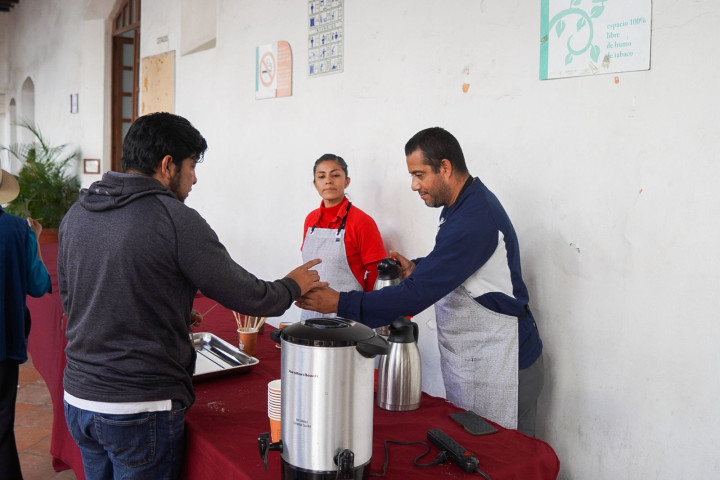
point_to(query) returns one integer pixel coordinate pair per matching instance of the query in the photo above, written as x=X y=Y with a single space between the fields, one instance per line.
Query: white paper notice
x=586 y=37
x=325 y=37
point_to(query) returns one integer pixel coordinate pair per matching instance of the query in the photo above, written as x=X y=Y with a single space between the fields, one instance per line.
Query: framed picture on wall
x=91 y=165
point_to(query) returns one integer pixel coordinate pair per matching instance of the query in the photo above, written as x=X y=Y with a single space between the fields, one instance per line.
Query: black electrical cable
x=441 y=458
x=484 y=475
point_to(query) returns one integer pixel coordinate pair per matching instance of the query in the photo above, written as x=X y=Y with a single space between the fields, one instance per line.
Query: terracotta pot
x=48 y=235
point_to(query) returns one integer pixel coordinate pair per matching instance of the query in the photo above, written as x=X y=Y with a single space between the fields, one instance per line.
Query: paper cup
x=248 y=340
x=275 y=408
x=275 y=430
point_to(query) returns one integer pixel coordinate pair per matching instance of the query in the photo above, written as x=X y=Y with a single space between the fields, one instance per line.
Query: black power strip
x=464 y=459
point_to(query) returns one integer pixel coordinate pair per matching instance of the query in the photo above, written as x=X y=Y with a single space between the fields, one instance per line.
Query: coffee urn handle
x=373 y=346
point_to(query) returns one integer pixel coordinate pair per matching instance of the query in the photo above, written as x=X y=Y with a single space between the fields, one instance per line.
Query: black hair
x=436 y=144
x=155 y=135
x=332 y=158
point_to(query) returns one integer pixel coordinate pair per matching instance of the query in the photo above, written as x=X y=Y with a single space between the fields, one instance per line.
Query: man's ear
x=165 y=170
x=446 y=168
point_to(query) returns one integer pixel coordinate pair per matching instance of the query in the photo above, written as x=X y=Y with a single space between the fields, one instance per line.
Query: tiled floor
x=33 y=425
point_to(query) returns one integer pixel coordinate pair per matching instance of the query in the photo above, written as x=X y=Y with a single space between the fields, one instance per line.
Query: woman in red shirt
x=343 y=236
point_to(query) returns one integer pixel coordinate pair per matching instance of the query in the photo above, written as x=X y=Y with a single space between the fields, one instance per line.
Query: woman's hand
x=35 y=225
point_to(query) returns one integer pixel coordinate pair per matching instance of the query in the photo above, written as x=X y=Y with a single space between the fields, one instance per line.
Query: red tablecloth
x=230 y=412
x=47 y=349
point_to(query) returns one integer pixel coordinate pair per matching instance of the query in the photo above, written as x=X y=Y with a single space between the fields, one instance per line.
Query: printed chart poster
x=586 y=37
x=325 y=38
x=273 y=70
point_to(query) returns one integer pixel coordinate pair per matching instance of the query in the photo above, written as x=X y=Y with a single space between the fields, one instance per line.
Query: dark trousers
x=531 y=381
x=9 y=461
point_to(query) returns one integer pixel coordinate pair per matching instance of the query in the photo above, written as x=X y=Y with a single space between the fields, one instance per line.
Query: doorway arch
x=27 y=110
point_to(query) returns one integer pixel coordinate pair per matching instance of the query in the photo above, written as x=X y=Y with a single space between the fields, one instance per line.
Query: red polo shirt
x=363 y=243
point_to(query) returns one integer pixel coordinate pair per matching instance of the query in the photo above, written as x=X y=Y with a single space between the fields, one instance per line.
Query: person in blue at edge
x=22 y=273
x=490 y=347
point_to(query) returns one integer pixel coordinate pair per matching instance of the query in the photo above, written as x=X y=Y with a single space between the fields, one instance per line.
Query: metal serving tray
x=216 y=357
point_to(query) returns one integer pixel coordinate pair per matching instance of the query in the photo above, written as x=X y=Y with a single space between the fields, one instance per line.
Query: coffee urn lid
x=326 y=332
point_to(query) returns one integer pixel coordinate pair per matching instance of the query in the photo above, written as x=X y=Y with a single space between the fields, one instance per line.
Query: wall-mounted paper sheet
x=273 y=70
x=157 y=76
x=585 y=37
x=325 y=37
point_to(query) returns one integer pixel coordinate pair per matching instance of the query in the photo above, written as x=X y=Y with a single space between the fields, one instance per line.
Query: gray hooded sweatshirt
x=131 y=260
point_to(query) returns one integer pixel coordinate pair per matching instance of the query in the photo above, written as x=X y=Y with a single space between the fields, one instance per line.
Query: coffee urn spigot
x=345 y=460
x=264 y=445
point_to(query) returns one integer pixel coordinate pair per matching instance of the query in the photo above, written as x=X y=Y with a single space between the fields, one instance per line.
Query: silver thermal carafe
x=388 y=275
x=399 y=384
x=327 y=399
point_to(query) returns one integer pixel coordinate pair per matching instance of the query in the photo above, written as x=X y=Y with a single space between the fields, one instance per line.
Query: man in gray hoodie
x=132 y=257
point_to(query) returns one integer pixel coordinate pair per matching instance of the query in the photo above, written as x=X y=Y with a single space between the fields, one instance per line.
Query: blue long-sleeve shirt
x=476 y=245
x=21 y=273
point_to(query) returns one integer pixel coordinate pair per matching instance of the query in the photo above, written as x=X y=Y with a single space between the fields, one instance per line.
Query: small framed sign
x=74 y=107
x=91 y=165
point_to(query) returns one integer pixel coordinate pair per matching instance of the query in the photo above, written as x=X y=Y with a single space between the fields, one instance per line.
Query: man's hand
x=406 y=266
x=323 y=300
x=307 y=279
x=196 y=319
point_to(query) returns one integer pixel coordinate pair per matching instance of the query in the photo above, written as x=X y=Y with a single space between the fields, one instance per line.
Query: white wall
x=610 y=186
x=4 y=98
x=63 y=51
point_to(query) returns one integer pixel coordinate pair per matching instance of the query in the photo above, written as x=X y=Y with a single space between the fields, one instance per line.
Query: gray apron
x=478 y=357
x=329 y=245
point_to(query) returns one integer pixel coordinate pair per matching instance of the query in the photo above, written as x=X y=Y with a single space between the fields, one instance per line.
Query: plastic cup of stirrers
x=248 y=329
x=248 y=321
x=247 y=338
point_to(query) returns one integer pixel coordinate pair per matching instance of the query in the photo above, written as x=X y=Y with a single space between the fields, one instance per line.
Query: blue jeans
x=140 y=446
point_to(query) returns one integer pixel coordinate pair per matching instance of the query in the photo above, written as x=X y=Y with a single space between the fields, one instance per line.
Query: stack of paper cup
x=274 y=409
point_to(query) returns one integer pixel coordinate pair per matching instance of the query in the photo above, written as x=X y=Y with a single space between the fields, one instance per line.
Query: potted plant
x=48 y=184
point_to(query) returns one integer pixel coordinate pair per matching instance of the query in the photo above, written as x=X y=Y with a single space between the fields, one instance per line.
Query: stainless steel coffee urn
x=327 y=373
x=400 y=372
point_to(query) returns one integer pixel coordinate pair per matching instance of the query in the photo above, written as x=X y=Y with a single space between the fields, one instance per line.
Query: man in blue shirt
x=490 y=348
x=21 y=273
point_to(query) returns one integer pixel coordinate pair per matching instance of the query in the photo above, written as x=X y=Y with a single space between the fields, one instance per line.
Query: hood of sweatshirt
x=118 y=189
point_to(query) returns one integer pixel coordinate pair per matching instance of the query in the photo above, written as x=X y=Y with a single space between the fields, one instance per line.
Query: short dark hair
x=331 y=157
x=155 y=135
x=437 y=143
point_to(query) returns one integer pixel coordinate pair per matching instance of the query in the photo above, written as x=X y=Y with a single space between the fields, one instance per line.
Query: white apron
x=478 y=357
x=329 y=245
